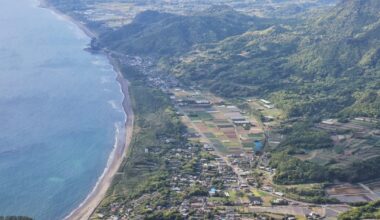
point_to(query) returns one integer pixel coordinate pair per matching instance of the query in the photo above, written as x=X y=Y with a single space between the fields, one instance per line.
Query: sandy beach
x=118 y=154
x=85 y=210
x=87 y=31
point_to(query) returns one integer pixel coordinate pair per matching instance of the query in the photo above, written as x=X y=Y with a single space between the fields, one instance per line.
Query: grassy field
x=266 y=197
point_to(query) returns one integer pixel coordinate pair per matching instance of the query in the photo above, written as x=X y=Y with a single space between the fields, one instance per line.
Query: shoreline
x=117 y=156
x=88 y=206
x=44 y=4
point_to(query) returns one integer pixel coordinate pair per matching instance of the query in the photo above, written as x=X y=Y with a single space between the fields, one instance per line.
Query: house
x=279 y=194
x=242 y=123
x=258 y=146
x=267 y=188
x=279 y=202
x=232 y=108
x=243 y=186
x=224 y=125
x=238 y=118
x=176 y=189
x=265 y=101
x=208 y=147
x=313 y=215
x=268 y=106
x=245 y=173
x=268 y=118
x=329 y=121
x=202 y=102
x=212 y=192
x=254 y=200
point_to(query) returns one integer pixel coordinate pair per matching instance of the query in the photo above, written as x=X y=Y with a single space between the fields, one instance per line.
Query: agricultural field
x=352 y=193
x=269 y=117
x=356 y=140
x=229 y=129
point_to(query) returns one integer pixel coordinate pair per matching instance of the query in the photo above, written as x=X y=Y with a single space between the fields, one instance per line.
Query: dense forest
x=301 y=136
x=290 y=170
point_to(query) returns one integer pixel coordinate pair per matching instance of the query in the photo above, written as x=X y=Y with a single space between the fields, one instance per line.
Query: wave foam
x=116 y=151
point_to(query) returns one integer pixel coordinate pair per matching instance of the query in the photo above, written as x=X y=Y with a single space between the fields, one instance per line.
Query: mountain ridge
x=161 y=33
x=324 y=71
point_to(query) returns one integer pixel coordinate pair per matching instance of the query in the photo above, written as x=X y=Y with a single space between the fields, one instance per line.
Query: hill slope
x=327 y=65
x=156 y=33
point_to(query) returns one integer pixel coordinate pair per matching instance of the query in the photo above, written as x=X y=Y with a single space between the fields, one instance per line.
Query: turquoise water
x=59 y=109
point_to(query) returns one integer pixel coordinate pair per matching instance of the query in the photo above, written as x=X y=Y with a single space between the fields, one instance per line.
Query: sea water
x=60 y=107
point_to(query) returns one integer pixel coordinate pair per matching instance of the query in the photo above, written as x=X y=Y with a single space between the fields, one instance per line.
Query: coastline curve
x=118 y=154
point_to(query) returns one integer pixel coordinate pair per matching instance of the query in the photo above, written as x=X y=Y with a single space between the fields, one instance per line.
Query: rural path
x=374 y=196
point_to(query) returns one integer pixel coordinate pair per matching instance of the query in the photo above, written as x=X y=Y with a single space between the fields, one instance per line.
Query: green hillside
x=157 y=33
x=326 y=65
x=368 y=211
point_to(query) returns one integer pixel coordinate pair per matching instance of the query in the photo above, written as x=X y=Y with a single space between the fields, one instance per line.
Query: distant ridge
x=157 y=33
x=351 y=15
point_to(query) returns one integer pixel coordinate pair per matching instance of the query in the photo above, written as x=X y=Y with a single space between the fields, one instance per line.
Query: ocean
x=60 y=109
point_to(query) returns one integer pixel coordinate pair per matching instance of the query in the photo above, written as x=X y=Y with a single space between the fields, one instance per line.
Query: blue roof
x=258 y=145
x=212 y=190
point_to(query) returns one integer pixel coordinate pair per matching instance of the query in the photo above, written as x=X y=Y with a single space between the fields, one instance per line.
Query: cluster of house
x=216 y=170
x=213 y=169
x=165 y=84
x=209 y=171
x=313 y=216
x=279 y=201
x=203 y=208
x=195 y=103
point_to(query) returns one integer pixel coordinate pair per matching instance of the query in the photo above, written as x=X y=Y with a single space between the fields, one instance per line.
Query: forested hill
x=156 y=33
x=325 y=65
x=343 y=40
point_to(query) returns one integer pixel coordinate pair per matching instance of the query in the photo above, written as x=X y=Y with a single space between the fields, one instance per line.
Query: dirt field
x=350 y=193
x=374 y=186
x=346 y=189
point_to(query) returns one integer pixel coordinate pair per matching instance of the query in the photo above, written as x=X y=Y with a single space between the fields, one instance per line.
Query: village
x=227 y=169
x=238 y=139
